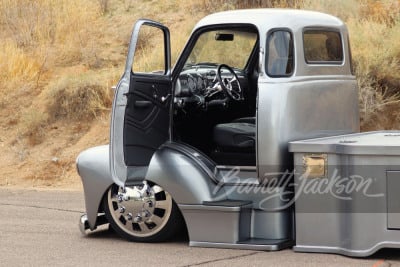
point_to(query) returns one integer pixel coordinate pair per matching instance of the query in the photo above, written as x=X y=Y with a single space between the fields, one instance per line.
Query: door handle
x=142 y=104
x=165 y=98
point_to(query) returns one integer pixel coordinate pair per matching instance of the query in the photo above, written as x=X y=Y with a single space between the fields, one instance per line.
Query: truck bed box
x=347 y=193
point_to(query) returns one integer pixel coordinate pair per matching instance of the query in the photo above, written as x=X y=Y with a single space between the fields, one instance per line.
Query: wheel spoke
x=143 y=227
x=129 y=225
x=157 y=220
x=163 y=204
x=114 y=198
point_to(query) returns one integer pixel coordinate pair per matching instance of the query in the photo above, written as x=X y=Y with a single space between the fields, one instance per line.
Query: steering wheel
x=230 y=85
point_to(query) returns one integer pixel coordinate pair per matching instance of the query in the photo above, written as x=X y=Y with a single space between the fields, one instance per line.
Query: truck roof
x=267 y=18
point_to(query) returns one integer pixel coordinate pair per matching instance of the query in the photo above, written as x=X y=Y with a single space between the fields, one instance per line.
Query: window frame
x=166 y=54
x=324 y=62
x=182 y=58
x=229 y=27
x=352 y=67
x=267 y=55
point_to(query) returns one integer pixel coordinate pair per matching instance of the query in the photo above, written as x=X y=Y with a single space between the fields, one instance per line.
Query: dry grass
x=32 y=23
x=33 y=126
x=16 y=66
x=78 y=98
x=44 y=30
x=375 y=35
x=218 y=5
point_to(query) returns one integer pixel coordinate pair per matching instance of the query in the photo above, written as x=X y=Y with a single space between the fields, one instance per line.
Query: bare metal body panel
x=298 y=109
x=94 y=168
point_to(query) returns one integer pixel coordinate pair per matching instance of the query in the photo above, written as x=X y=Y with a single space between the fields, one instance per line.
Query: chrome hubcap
x=140 y=210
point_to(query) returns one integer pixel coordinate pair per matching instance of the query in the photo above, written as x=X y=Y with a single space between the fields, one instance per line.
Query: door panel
x=140 y=115
x=146 y=120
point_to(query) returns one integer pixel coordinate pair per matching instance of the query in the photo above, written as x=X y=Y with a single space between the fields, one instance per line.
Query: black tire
x=149 y=223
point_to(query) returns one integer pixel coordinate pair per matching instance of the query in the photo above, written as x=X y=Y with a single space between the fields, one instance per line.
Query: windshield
x=231 y=47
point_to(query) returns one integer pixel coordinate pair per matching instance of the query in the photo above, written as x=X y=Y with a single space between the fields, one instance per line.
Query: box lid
x=366 y=143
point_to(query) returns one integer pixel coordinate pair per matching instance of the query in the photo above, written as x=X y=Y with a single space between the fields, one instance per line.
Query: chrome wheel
x=138 y=212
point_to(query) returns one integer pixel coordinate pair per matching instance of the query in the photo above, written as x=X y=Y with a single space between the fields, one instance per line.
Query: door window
x=150 y=55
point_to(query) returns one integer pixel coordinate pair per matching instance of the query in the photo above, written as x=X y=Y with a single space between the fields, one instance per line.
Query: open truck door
x=140 y=117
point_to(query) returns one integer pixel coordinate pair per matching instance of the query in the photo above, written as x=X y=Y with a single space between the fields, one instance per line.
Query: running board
x=250 y=244
x=227 y=221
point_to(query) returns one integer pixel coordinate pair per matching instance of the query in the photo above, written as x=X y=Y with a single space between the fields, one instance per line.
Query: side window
x=280 y=53
x=149 y=54
x=322 y=46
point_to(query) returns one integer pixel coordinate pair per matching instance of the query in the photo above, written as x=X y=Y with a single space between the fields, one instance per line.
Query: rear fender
x=94 y=169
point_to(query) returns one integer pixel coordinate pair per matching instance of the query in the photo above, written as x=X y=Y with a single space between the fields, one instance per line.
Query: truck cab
x=205 y=144
x=246 y=84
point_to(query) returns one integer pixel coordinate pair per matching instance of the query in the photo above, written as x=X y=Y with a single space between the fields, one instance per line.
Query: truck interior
x=215 y=95
x=216 y=91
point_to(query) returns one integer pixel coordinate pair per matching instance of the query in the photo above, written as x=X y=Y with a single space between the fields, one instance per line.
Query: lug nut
x=122 y=209
x=137 y=219
x=129 y=216
x=120 y=198
x=146 y=214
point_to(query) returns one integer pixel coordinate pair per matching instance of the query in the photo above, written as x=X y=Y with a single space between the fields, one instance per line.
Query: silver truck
x=206 y=146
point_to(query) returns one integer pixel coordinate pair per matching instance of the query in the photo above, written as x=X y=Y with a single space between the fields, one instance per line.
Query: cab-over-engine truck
x=207 y=145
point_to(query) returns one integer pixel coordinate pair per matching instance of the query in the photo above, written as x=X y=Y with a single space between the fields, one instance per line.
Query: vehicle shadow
x=106 y=232
x=388 y=254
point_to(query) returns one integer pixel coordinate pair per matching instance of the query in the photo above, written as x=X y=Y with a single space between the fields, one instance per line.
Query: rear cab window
x=322 y=46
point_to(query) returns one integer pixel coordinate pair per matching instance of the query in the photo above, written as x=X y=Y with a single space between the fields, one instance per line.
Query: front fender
x=187 y=174
x=94 y=169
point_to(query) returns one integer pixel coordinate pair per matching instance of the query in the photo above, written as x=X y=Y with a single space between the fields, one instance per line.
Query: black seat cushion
x=235 y=136
x=251 y=120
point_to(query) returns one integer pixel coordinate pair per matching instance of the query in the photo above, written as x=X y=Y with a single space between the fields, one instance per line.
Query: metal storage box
x=347 y=193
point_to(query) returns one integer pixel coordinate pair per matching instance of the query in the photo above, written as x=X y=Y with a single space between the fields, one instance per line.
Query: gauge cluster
x=196 y=82
x=199 y=87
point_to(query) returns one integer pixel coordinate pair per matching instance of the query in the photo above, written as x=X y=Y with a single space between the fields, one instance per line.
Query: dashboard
x=195 y=82
x=199 y=87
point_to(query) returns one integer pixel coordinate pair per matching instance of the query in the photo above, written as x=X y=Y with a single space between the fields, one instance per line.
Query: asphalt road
x=40 y=228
